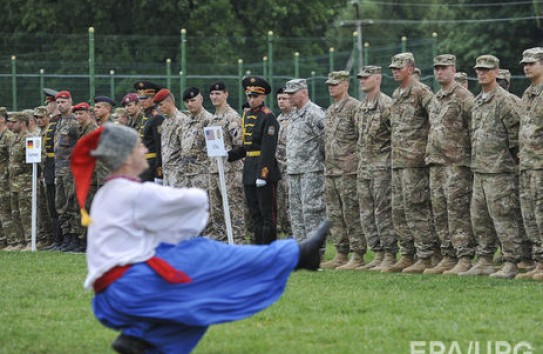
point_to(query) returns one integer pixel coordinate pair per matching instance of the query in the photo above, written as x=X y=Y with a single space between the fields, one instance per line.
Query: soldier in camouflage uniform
x=6 y=221
x=305 y=156
x=373 y=178
x=230 y=121
x=531 y=157
x=283 y=209
x=411 y=212
x=341 y=166
x=103 y=110
x=448 y=158
x=131 y=103
x=462 y=79
x=495 y=210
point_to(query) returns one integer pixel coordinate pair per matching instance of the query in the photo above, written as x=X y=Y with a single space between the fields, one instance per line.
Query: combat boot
x=130 y=345
x=67 y=243
x=339 y=260
x=357 y=260
x=419 y=267
x=74 y=245
x=538 y=276
x=537 y=270
x=508 y=271
x=377 y=259
x=445 y=264
x=436 y=258
x=388 y=261
x=463 y=265
x=483 y=266
x=310 y=249
x=404 y=262
x=526 y=265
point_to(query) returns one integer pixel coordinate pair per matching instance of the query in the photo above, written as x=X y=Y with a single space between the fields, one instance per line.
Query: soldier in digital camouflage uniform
x=230 y=121
x=341 y=166
x=373 y=178
x=495 y=212
x=462 y=79
x=411 y=211
x=6 y=221
x=531 y=157
x=131 y=103
x=283 y=209
x=448 y=158
x=305 y=156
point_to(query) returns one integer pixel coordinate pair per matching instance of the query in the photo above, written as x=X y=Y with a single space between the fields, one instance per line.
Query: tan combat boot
x=377 y=259
x=537 y=270
x=404 y=262
x=357 y=260
x=526 y=265
x=463 y=265
x=388 y=261
x=339 y=260
x=483 y=266
x=446 y=263
x=420 y=266
x=538 y=276
x=508 y=271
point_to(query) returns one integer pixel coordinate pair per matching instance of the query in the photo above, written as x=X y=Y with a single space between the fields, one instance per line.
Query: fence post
x=404 y=44
x=331 y=59
x=356 y=61
x=180 y=86
x=265 y=76
x=366 y=53
x=313 y=73
x=241 y=94
x=14 y=82
x=42 y=85
x=434 y=54
x=296 y=65
x=183 y=59
x=92 y=86
x=112 y=84
x=169 y=73
x=270 y=70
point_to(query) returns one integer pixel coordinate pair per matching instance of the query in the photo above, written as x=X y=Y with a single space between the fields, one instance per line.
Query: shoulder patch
x=271 y=130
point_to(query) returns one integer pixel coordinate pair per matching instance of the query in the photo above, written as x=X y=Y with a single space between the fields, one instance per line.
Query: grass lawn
x=44 y=309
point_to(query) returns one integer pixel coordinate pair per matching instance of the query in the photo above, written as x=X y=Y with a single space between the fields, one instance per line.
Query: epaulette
x=266 y=110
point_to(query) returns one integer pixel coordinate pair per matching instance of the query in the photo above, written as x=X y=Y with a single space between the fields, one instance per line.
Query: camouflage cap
x=400 y=60
x=120 y=111
x=368 y=71
x=40 y=111
x=18 y=117
x=532 y=55
x=445 y=60
x=460 y=77
x=4 y=112
x=487 y=62
x=29 y=113
x=335 y=77
x=295 y=85
x=504 y=74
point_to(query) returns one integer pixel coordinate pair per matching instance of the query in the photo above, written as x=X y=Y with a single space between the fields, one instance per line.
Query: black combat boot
x=310 y=249
x=130 y=345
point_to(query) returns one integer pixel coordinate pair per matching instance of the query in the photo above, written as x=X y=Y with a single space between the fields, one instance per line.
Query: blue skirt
x=228 y=283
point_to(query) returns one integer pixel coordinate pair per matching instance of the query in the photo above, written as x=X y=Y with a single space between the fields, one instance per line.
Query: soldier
x=20 y=178
x=531 y=158
x=260 y=169
x=417 y=74
x=150 y=130
x=411 y=213
x=171 y=135
x=50 y=102
x=32 y=126
x=283 y=209
x=462 y=79
x=341 y=165
x=230 y=121
x=448 y=158
x=305 y=153
x=495 y=210
x=6 y=220
x=132 y=104
x=103 y=107
x=120 y=116
x=67 y=133
x=373 y=178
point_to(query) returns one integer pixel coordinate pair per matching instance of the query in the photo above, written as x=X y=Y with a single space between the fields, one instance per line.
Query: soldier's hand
x=260 y=183
x=159 y=171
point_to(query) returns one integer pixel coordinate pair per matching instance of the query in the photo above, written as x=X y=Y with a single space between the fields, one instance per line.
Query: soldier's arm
x=510 y=117
x=157 y=132
x=268 y=146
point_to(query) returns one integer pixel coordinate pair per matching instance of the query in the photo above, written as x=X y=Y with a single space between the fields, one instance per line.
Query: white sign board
x=214 y=141
x=33 y=149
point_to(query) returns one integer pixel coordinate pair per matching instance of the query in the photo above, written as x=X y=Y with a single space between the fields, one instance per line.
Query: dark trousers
x=52 y=211
x=262 y=206
x=149 y=174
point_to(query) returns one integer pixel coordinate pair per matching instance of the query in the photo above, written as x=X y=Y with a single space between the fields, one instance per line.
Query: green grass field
x=44 y=309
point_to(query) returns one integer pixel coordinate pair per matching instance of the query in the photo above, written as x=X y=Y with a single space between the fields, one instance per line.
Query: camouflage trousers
x=374 y=198
x=450 y=190
x=306 y=202
x=6 y=221
x=236 y=203
x=65 y=203
x=344 y=213
x=495 y=215
x=531 y=203
x=45 y=226
x=21 y=214
x=283 y=210
x=168 y=178
x=411 y=212
x=194 y=181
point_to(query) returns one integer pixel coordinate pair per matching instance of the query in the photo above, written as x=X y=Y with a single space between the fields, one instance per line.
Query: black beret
x=189 y=93
x=255 y=84
x=217 y=86
x=280 y=91
x=104 y=99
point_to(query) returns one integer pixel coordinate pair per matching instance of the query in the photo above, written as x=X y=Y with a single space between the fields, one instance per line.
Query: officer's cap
x=146 y=89
x=255 y=85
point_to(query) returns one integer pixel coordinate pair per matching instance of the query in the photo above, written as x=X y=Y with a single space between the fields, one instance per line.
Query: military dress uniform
x=260 y=133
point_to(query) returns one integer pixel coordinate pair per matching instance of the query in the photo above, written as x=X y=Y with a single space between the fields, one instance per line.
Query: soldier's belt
x=253 y=153
x=150 y=155
x=50 y=154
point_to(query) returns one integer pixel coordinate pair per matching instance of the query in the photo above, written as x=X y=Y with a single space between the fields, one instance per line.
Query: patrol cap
x=145 y=89
x=40 y=111
x=217 y=86
x=191 y=92
x=255 y=85
x=81 y=106
x=29 y=113
x=398 y=61
x=49 y=94
x=295 y=85
x=129 y=97
x=335 y=77
x=504 y=74
x=65 y=95
x=368 y=71
x=487 y=62
x=532 y=55
x=445 y=60
x=18 y=117
x=161 y=95
x=461 y=77
x=120 y=111
x=105 y=99
x=4 y=112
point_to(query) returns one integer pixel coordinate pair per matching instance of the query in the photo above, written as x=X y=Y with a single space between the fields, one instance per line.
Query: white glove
x=159 y=181
x=260 y=183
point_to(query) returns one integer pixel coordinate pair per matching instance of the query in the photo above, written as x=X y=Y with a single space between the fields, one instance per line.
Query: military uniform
x=171 y=146
x=6 y=221
x=283 y=208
